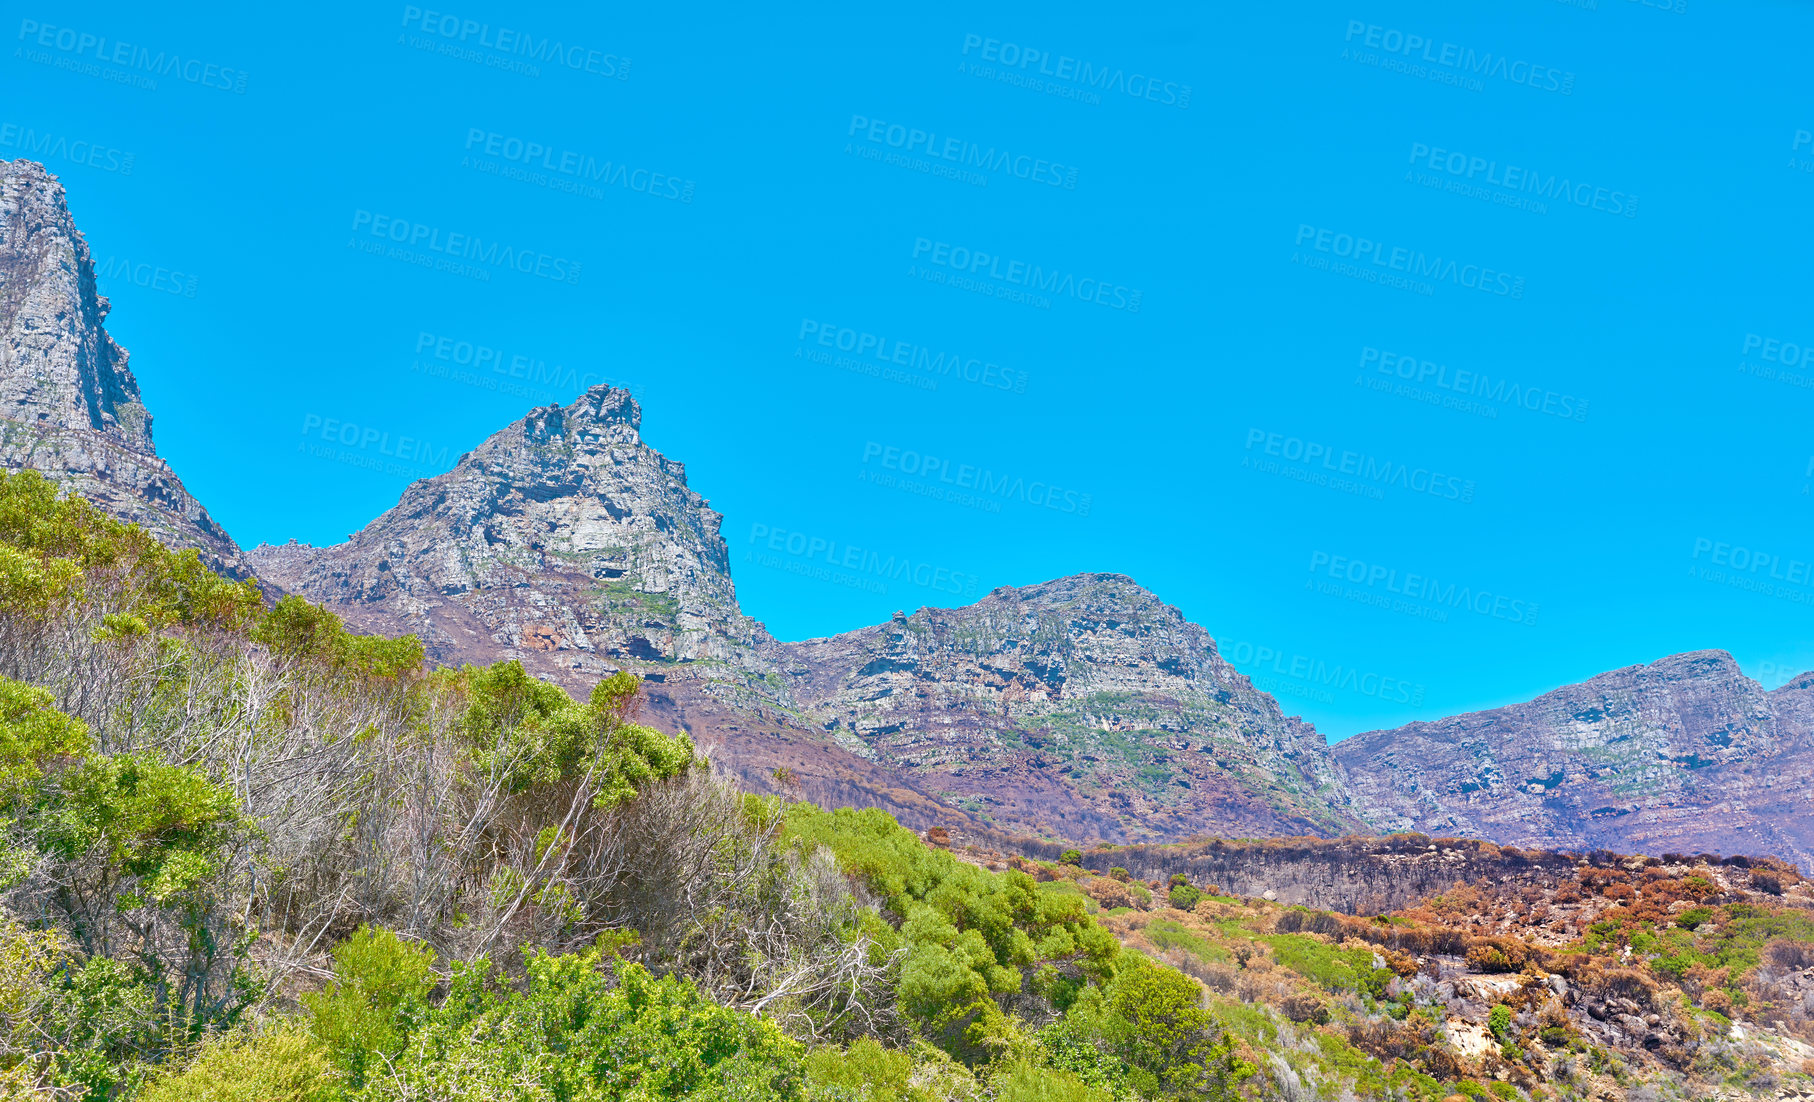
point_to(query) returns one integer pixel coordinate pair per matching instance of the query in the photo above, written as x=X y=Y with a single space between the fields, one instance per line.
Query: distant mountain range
x=1083 y=708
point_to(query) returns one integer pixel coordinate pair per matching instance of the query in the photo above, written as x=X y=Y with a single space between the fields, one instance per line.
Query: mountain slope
x=1686 y=754
x=1084 y=707
x=69 y=405
x=566 y=542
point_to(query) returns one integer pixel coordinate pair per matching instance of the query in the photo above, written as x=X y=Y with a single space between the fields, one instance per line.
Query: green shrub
x=1694 y=917
x=531 y=732
x=970 y=934
x=1071 y=857
x=1185 y=897
x=380 y=991
x=1024 y=1081
x=282 y=1064
x=1499 y=1021
x=1152 y=1019
x=53 y=551
x=575 y=1031
x=297 y=629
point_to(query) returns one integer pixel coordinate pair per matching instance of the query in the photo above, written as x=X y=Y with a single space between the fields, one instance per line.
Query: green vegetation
x=246 y=854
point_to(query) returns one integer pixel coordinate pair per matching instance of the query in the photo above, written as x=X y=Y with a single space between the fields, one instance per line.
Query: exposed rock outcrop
x=1081 y=708
x=563 y=535
x=69 y=405
x=1684 y=755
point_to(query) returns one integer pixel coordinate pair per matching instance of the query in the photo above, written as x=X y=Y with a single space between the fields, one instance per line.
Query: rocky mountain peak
x=69 y=404
x=1088 y=679
x=563 y=540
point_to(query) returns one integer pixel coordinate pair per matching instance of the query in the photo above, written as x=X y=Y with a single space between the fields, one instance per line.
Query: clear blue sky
x=1306 y=203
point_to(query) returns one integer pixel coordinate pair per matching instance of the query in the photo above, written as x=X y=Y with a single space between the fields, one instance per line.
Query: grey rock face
x=69 y=406
x=1083 y=707
x=1684 y=755
x=563 y=536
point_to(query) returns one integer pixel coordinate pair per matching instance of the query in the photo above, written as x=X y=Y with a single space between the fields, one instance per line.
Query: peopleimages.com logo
x=45 y=146
x=1079 y=79
x=857 y=567
x=1020 y=273
x=962 y=153
x=458 y=36
x=546 y=165
x=1401 y=262
x=1256 y=660
x=964 y=483
x=888 y=351
x=136 y=63
x=1471 y=384
x=450 y=248
x=1555 y=188
x=1385 y=587
x=1802 y=143
x=1744 y=559
x=405 y=449
x=1449 y=58
x=152 y=277
x=1368 y=469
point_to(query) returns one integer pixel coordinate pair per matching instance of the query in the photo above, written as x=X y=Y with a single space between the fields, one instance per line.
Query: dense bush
x=209 y=806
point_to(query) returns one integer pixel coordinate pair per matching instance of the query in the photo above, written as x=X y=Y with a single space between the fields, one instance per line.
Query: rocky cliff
x=69 y=406
x=1084 y=708
x=563 y=538
x=1081 y=708
x=1684 y=755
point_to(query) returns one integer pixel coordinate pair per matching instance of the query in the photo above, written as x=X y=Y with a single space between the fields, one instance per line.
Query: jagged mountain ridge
x=1081 y=708
x=564 y=541
x=1684 y=755
x=69 y=404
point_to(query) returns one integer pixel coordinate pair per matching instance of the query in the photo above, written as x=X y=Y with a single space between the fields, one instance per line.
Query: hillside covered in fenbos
x=1534 y=974
x=246 y=854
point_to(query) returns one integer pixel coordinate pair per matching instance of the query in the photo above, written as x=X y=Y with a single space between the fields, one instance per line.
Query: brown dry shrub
x=1108 y=893
x=1389 y=1040
x=1302 y=1006
x=1308 y=922
x=1219 y=977
x=1493 y=957
x=1594 y=978
x=1788 y=955
x=1619 y=892
x=1567 y=893
x=1717 y=1001
x=1250 y=988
